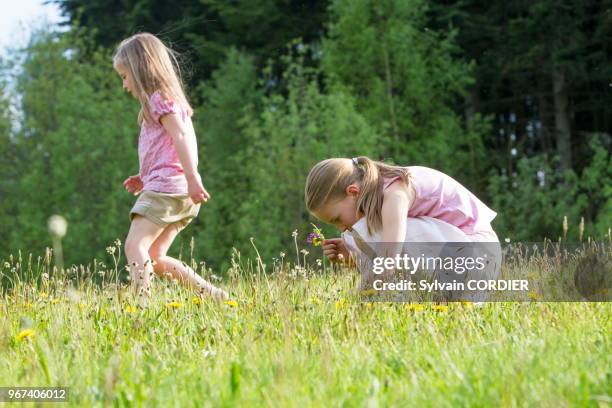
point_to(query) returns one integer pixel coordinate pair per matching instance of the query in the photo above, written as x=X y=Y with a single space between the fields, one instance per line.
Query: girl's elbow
x=178 y=136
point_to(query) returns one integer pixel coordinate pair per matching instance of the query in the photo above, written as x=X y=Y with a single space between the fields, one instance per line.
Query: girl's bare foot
x=213 y=292
x=219 y=294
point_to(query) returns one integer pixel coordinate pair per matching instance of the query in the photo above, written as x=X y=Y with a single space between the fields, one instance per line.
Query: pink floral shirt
x=440 y=196
x=160 y=166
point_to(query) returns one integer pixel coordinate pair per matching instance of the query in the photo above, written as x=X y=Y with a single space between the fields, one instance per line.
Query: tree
x=231 y=95
x=8 y=166
x=203 y=29
x=75 y=146
x=405 y=79
x=542 y=70
x=291 y=134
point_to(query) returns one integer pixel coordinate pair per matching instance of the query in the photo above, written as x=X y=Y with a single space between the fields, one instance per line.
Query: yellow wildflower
x=341 y=304
x=534 y=295
x=24 y=334
x=231 y=303
x=130 y=309
x=196 y=301
x=415 y=306
x=174 y=304
x=440 y=308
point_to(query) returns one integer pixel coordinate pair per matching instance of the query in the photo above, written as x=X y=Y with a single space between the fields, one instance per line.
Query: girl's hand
x=196 y=190
x=133 y=184
x=335 y=250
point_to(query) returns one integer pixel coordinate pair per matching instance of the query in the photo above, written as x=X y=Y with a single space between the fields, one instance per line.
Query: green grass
x=299 y=339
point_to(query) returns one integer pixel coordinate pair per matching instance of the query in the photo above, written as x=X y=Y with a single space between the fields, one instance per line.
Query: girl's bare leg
x=178 y=270
x=141 y=236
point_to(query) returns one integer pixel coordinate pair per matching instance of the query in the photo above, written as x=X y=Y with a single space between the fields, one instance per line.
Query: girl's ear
x=353 y=189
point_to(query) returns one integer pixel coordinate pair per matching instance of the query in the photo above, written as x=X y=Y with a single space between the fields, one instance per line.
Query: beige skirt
x=164 y=209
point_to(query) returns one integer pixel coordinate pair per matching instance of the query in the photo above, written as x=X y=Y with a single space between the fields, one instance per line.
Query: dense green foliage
x=475 y=92
x=203 y=29
x=75 y=146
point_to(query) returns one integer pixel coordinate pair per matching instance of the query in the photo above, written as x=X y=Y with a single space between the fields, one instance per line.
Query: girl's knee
x=159 y=267
x=158 y=264
x=160 y=246
x=156 y=252
x=134 y=246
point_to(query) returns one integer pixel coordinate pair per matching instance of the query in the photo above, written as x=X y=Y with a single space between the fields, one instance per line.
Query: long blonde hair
x=153 y=67
x=328 y=180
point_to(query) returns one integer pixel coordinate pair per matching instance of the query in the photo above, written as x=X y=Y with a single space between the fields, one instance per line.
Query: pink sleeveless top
x=442 y=197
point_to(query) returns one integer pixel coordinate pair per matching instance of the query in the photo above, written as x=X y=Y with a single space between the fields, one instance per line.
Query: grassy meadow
x=293 y=336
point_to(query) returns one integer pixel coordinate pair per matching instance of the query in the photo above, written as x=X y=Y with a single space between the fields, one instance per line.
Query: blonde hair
x=328 y=180
x=153 y=67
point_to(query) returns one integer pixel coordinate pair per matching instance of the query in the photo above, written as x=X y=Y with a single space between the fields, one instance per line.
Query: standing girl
x=169 y=184
x=373 y=202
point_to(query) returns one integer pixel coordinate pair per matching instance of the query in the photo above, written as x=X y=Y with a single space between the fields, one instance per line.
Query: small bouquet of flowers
x=316 y=237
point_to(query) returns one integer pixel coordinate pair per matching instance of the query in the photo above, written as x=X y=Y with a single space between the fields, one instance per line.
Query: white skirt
x=425 y=230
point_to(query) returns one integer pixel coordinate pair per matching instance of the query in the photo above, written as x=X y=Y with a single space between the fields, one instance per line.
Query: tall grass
x=292 y=336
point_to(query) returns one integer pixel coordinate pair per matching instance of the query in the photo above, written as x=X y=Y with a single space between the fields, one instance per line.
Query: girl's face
x=343 y=213
x=128 y=82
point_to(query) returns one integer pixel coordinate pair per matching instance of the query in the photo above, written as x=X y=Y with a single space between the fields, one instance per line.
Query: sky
x=19 y=16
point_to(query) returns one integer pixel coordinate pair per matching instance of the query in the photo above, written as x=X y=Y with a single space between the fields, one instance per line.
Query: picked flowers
x=316 y=237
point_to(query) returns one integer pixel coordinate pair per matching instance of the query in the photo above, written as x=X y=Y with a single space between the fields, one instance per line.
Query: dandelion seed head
x=57 y=226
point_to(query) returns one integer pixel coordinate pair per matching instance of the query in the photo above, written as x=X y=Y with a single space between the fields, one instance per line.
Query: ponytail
x=371 y=197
